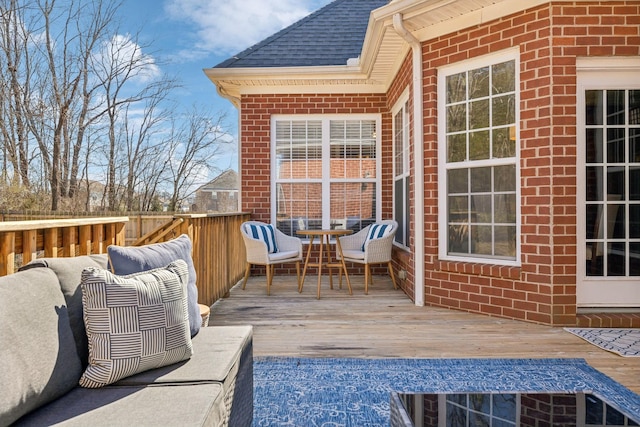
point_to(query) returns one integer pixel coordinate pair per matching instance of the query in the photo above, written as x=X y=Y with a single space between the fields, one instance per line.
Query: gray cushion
x=132 y=259
x=185 y=406
x=134 y=323
x=215 y=351
x=37 y=350
x=69 y=271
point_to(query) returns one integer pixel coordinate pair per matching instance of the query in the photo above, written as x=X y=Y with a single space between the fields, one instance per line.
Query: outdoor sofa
x=44 y=352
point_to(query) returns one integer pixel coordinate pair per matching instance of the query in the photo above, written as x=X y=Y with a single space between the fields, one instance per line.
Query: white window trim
x=397 y=107
x=326 y=153
x=443 y=72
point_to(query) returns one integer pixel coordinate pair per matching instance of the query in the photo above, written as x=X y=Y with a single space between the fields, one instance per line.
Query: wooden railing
x=23 y=241
x=218 y=250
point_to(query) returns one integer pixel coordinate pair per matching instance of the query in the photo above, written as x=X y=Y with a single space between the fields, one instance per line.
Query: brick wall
x=550 y=38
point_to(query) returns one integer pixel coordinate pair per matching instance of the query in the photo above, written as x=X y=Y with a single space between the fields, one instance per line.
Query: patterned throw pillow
x=134 y=323
x=264 y=233
x=376 y=232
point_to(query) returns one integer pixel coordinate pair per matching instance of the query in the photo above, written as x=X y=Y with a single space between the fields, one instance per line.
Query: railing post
x=29 y=246
x=7 y=253
x=51 y=242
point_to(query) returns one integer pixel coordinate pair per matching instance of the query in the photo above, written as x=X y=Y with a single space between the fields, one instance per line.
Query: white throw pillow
x=134 y=323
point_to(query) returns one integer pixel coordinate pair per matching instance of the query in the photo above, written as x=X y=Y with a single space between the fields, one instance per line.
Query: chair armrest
x=288 y=243
x=257 y=252
x=352 y=242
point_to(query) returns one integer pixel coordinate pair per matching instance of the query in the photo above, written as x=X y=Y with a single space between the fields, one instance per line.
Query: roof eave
x=235 y=82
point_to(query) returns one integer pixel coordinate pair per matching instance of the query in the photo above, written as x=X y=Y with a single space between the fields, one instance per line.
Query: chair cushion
x=264 y=233
x=353 y=254
x=134 y=323
x=377 y=231
x=278 y=256
x=130 y=260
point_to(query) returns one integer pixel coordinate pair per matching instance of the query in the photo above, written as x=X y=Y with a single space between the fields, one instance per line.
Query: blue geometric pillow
x=376 y=232
x=264 y=233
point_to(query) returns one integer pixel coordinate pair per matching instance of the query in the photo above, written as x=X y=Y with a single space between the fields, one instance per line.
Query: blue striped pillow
x=377 y=231
x=264 y=233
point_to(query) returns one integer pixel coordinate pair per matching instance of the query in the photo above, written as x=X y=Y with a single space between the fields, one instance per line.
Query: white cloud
x=230 y=26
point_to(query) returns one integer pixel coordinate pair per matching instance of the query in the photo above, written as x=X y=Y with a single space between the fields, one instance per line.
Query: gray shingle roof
x=329 y=36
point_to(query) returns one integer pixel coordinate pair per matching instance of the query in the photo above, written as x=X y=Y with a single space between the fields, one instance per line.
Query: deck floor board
x=386 y=323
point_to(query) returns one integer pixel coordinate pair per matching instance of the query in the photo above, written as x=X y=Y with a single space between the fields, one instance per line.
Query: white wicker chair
x=289 y=250
x=376 y=251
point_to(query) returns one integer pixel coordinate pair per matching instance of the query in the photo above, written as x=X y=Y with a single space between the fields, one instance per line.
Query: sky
x=186 y=36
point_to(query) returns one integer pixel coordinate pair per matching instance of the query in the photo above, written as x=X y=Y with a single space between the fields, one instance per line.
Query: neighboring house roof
x=329 y=36
x=227 y=180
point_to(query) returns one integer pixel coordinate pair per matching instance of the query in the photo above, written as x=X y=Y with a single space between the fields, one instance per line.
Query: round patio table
x=325 y=236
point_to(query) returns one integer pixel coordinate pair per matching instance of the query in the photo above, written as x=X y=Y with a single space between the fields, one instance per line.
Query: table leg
x=344 y=266
x=306 y=263
x=320 y=265
x=327 y=249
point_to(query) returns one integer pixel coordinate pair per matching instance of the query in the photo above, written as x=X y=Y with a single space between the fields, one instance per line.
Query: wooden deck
x=386 y=323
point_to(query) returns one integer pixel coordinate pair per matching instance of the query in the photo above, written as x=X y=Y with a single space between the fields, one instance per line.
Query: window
x=401 y=169
x=478 y=160
x=612 y=171
x=325 y=172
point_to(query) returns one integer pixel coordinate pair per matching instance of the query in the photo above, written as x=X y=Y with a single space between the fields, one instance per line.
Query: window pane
x=615 y=107
x=615 y=183
x=481 y=210
x=481 y=241
x=457 y=180
x=504 y=112
x=504 y=142
x=505 y=241
x=634 y=221
x=615 y=145
x=634 y=107
x=480 y=180
x=299 y=206
x=458 y=209
x=505 y=208
x=352 y=203
x=456 y=118
x=503 y=77
x=634 y=145
x=459 y=238
x=479 y=145
x=479 y=83
x=479 y=114
x=457 y=147
x=594 y=145
x=456 y=88
x=505 y=178
x=594 y=187
x=594 y=107
x=634 y=183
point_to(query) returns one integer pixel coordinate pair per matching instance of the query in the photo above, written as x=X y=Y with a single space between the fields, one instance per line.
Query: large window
x=401 y=169
x=478 y=159
x=325 y=172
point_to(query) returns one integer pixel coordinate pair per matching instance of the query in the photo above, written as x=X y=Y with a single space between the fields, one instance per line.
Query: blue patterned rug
x=304 y=392
x=625 y=341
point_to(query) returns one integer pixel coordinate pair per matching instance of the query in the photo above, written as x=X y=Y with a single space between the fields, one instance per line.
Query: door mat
x=622 y=341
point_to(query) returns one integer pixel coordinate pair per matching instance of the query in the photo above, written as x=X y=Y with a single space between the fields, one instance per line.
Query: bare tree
x=195 y=143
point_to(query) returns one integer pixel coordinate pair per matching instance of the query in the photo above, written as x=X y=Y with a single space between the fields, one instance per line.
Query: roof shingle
x=329 y=36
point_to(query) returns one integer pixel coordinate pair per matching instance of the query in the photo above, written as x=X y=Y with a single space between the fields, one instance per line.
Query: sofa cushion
x=38 y=358
x=187 y=405
x=134 y=323
x=134 y=259
x=69 y=271
x=215 y=351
